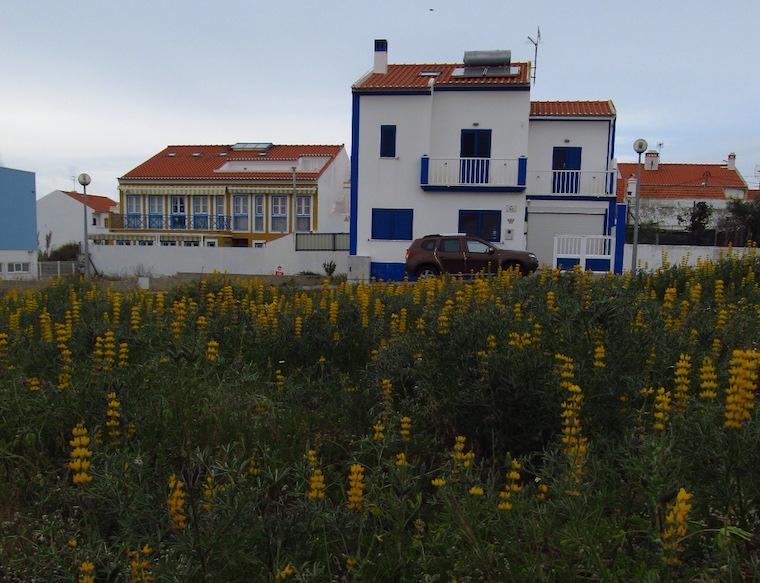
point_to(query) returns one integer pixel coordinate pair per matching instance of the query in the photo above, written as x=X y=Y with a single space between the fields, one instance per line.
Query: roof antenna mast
x=535 y=42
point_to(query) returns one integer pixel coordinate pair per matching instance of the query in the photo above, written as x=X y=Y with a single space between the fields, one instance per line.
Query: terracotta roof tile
x=100 y=204
x=572 y=109
x=203 y=162
x=400 y=77
x=753 y=194
x=689 y=181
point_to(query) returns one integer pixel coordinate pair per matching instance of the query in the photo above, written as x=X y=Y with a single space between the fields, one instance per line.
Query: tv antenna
x=660 y=146
x=535 y=42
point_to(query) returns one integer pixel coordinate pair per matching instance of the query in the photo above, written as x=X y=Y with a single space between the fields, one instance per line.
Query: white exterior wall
x=118 y=260
x=61 y=215
x=16 y=256
x=664 y=212
x=593 y=136
x=333 y=202
x=432 y=126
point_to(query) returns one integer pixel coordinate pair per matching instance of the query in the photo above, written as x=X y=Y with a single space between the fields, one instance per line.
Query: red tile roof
x=687 y=181
x=203 y=163
x=100 y=204
x=400 y=77
x=572 y=109
x=753 y=194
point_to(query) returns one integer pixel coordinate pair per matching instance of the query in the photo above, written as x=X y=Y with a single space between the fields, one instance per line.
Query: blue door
x=566 y=165
x=475 y=144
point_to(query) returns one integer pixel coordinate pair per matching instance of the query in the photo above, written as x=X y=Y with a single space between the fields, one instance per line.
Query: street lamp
x=84 y=180
x=639 y=146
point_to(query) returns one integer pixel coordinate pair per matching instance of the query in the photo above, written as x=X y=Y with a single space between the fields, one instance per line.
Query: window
x=483 y=224
x=428 y=245
x=94 y=221
x=258 y=213
x=179 y=220
x=392 y=224
x=155 y=212
x=387 y=141
x=18 y=268
x=303 y=213
x=221 y=220
x=279 y=222
x=449 y=246
x=200 y=212
x=240 y=212
x=133 y=204
x=474 y=246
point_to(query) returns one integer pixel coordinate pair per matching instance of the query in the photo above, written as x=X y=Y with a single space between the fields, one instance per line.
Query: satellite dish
x=640 y=146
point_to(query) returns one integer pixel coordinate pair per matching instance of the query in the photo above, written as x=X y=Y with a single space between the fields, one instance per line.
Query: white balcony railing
x=580 y=182
x=473 y=172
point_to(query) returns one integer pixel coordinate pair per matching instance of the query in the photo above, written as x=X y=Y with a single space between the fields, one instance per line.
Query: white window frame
x=181 y=208
x=19 y=267
x=240 y=208
x=155 y=209
x=278 y=203
x=134 y=204
x=200 y=204
x=259 y=208
x=303 y=211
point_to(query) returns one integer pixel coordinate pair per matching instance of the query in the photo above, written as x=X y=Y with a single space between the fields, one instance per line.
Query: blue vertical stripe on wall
x=522 y=170
x=620 y=226
x=18 y=209
x=354 y=216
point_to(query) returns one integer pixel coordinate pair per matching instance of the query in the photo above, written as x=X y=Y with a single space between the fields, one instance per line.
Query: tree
x=743 y=219
x=697 y=217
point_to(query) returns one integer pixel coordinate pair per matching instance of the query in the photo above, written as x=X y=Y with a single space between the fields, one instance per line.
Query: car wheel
x=427 y=271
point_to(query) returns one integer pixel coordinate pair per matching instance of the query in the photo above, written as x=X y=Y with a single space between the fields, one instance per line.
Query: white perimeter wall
x=61 y=215
x=421 y=121
x=15 y=256
x=650 y=256
x=119 y=260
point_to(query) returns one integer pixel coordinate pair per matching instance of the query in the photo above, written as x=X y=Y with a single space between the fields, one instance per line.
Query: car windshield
x=474 y=246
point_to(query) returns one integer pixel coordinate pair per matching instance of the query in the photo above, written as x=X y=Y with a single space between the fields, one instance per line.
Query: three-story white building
x=461 y=148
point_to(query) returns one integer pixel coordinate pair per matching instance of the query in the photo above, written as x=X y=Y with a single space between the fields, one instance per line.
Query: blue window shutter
x=381 y=224
x=392 y=224
x=403 y=224
x=387 y=141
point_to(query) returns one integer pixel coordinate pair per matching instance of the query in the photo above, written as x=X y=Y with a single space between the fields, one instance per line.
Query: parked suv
x=434 y=254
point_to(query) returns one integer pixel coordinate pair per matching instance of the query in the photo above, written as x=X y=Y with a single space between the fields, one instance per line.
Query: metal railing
x=486 y=172
x=171 y=222
x=593 y=252
x=322 y=242
x=47 y=269
x=580 y=182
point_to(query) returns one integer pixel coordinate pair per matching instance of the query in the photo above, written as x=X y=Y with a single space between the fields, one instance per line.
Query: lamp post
x=639 y=146
x=84 y=180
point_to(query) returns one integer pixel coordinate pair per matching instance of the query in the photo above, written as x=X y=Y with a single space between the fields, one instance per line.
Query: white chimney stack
x=652 y=160
x=731 y=162
x=631 y=188
x=381 y=56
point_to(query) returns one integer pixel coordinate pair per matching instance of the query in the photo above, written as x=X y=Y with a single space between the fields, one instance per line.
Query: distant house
x=241 y=195
x=60 y=217
x=670 y=190
x=753 y=194
x=461 y=148
x=18 y=226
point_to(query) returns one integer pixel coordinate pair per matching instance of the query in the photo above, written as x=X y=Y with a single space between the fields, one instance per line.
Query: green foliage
x=299 y=370
x=697 y=217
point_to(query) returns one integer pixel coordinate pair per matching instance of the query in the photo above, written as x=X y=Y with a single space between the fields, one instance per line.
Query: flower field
x=553 y=427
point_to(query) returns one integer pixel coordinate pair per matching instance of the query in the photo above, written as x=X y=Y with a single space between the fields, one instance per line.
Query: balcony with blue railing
x=571 y=183
x=473 y=174
x=176 y=222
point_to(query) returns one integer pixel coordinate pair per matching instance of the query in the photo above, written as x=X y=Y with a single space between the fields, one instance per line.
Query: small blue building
x=18 y=224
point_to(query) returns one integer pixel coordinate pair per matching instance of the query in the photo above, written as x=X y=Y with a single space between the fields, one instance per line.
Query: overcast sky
x=100 y=86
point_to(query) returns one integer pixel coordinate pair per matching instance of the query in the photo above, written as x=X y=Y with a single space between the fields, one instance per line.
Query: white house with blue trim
x=443 y=148
x=18 y=224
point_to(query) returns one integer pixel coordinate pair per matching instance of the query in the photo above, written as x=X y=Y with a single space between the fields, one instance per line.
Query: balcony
x=571 y=182
x=473 y=174
x=155 y=222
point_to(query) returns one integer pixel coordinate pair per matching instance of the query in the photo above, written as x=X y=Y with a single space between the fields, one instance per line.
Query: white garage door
x=543 y=225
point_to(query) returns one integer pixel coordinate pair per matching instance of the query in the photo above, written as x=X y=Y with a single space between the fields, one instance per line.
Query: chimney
x=652 y=160
x=630 y=191
x=731 y=162
x=381 y=56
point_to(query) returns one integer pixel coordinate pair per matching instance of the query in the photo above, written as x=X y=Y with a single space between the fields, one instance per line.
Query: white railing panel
x=580 y=182
x=583 y=247
x=472 y=172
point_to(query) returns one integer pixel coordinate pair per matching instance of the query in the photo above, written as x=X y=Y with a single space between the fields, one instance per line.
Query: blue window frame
x=392 y=224
x=388 y=141
x=483 y=224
